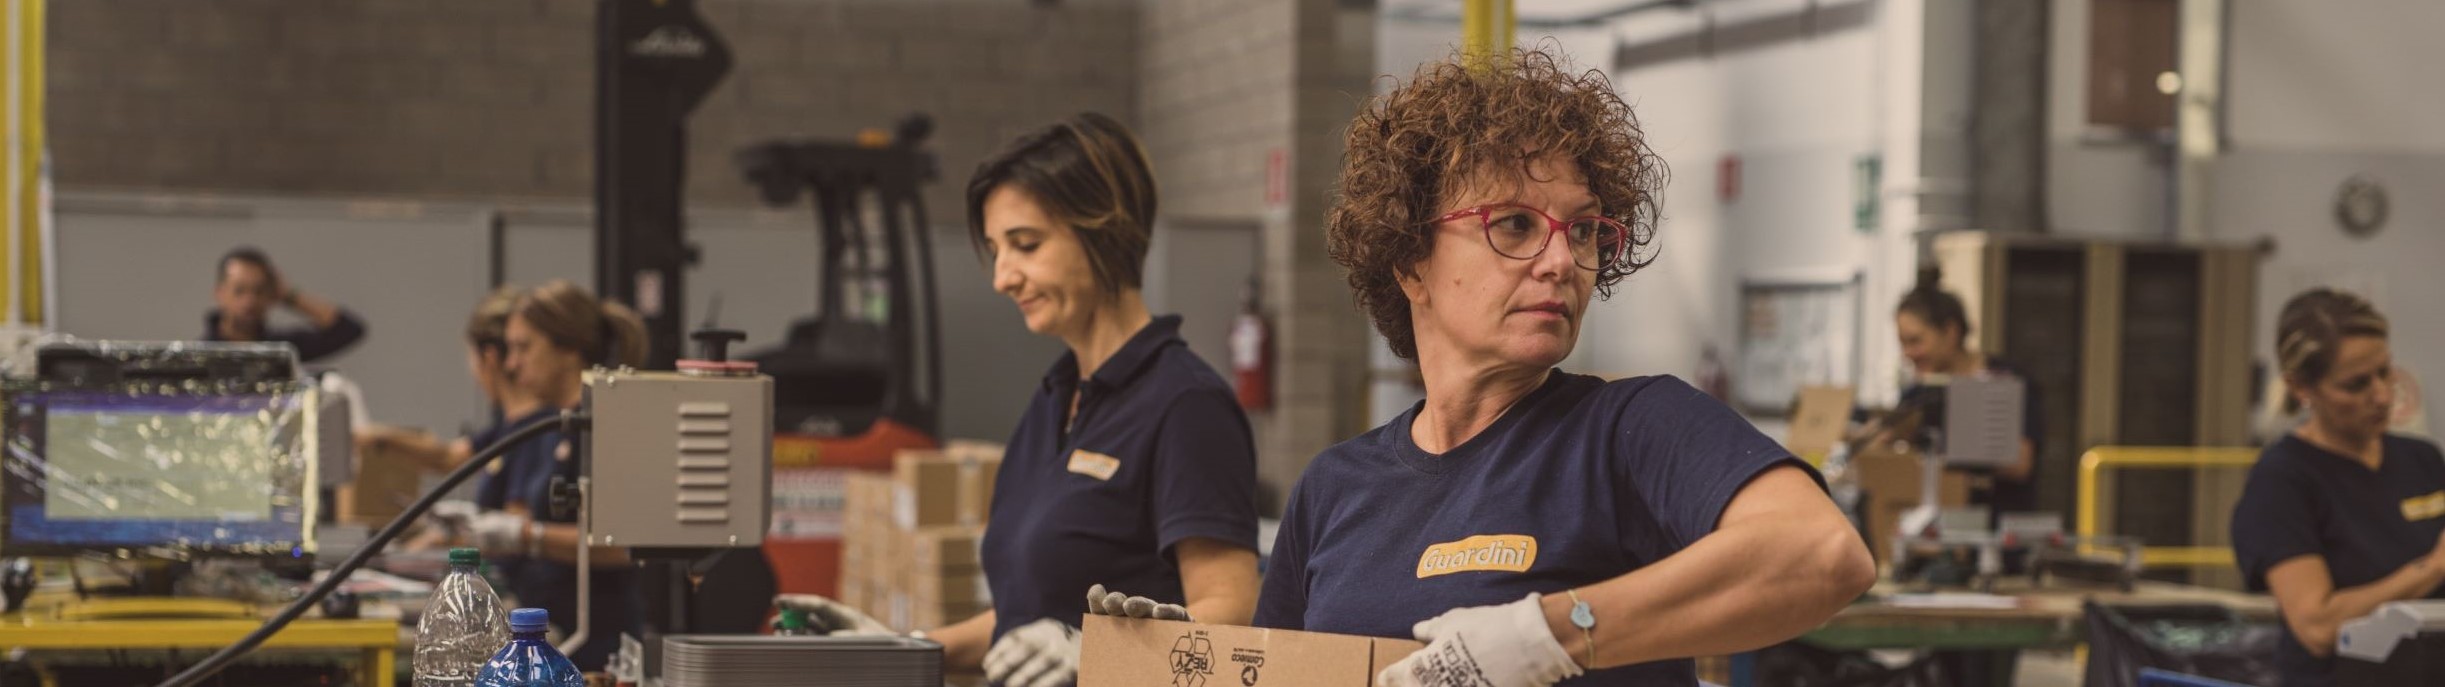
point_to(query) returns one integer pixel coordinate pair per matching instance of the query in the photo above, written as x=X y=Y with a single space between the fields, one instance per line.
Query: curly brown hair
x=1458 y=122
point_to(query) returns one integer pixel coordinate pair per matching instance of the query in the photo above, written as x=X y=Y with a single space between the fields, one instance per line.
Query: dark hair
x=2311 y=330
x=1088 y=172
x=488 y=326
x=1459 y=122
x=246 y=254
x=1929 y=302
x=603 y=332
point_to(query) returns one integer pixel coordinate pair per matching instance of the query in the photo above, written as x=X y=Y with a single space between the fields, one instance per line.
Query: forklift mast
x=655 y=61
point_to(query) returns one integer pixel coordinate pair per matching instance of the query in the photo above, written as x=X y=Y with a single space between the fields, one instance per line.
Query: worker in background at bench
x=1132 y=465
x=1534 y=526
x=1934 y=332
x=553 y=334
x=2338 y=516
x=487 y=363
x=244 y=290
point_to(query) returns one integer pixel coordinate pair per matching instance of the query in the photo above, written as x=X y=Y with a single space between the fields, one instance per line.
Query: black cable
x=569 y=422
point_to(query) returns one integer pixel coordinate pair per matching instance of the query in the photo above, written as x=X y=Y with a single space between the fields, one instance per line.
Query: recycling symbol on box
x=1192 y=661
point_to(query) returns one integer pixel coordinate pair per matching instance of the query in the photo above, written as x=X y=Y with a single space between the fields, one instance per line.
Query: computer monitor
x=156 y=474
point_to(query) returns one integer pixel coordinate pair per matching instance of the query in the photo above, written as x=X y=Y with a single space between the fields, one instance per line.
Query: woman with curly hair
x=1536 y=527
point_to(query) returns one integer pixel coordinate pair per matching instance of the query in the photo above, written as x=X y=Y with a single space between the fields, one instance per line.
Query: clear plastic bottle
x=463 y=624
x=529 y=661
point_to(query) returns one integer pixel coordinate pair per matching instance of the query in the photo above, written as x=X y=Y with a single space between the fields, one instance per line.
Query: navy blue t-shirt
x=525 y=478
x=1581 y=481
x=1159 y=453
x=312 y=344
x=2302 y=500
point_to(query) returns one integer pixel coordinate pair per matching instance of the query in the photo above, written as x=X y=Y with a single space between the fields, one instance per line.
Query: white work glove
x=1038 y=654
x=498 y=533
x=451 y=517
x=1487 y=646
x=1118 y=605
x=837 y=619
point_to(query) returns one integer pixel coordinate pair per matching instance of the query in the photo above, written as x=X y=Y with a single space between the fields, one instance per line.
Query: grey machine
x=2402 y=643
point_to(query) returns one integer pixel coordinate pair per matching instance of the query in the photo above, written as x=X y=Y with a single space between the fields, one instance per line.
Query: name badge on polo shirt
x=2419 y=508
x=1092 y=464
x=1481 y=553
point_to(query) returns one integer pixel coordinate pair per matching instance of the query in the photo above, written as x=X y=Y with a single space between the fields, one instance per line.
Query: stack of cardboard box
x=909 y=555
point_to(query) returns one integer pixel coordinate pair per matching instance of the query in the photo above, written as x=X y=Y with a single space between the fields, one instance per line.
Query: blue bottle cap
x=529 y=620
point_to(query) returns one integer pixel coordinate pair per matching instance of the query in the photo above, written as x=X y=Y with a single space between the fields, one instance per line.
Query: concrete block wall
x=493 y=98
x=1227 y=85
x=490 y=101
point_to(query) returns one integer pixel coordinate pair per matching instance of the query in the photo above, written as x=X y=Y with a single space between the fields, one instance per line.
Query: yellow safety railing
x=2194 y=458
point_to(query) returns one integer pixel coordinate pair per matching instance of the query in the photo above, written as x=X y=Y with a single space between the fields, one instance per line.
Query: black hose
x=569 y=422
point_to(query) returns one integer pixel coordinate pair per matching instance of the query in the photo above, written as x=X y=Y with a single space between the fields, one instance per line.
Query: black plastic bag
x=2202 y=640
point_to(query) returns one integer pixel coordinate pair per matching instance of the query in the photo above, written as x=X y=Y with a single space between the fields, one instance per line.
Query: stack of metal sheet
x=749 y=661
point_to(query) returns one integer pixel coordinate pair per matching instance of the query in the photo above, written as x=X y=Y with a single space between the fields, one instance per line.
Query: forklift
x=861 y=379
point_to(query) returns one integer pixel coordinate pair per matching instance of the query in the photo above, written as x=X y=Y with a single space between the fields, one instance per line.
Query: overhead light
x=2169 y=83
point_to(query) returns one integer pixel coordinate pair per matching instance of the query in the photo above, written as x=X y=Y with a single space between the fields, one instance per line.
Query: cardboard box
x=898 y=612
x=385 y=484
x=937 y=488
x=1891 y=481
x=980 y=463
x=889 y=564
x=972 y=449
x=1822 y=415
x=1128 y=652
x=853 y=592
x=976 y=489
x=947 y=588
x=927 y=489
x=946 y=550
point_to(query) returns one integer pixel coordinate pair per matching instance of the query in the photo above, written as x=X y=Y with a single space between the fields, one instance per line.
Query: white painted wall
x=2318 y=93
x=1199 y=271
x=2098 y=183
x=1798 y=115
x=2345 y=76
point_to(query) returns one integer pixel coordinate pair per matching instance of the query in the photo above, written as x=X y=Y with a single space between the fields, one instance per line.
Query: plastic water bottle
x=794 y=624
x=462 y=625
x=529 y=661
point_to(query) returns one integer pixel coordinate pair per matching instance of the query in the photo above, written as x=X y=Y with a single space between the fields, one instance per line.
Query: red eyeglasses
x=1513 y=231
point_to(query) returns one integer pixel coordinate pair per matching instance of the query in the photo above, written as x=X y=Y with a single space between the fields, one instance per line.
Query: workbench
x=205 y=624
x=2040 y=618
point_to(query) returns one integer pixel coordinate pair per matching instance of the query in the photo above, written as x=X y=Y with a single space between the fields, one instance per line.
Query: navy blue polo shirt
x=1581 y=481
x=525 y=478
x=2302 y=500
x=1159 y=453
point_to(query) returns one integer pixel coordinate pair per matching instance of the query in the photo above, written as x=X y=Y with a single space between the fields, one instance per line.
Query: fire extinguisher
x=1252 y=354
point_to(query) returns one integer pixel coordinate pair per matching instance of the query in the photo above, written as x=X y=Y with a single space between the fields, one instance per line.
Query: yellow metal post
x=1486 y=27
x=24 y=210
